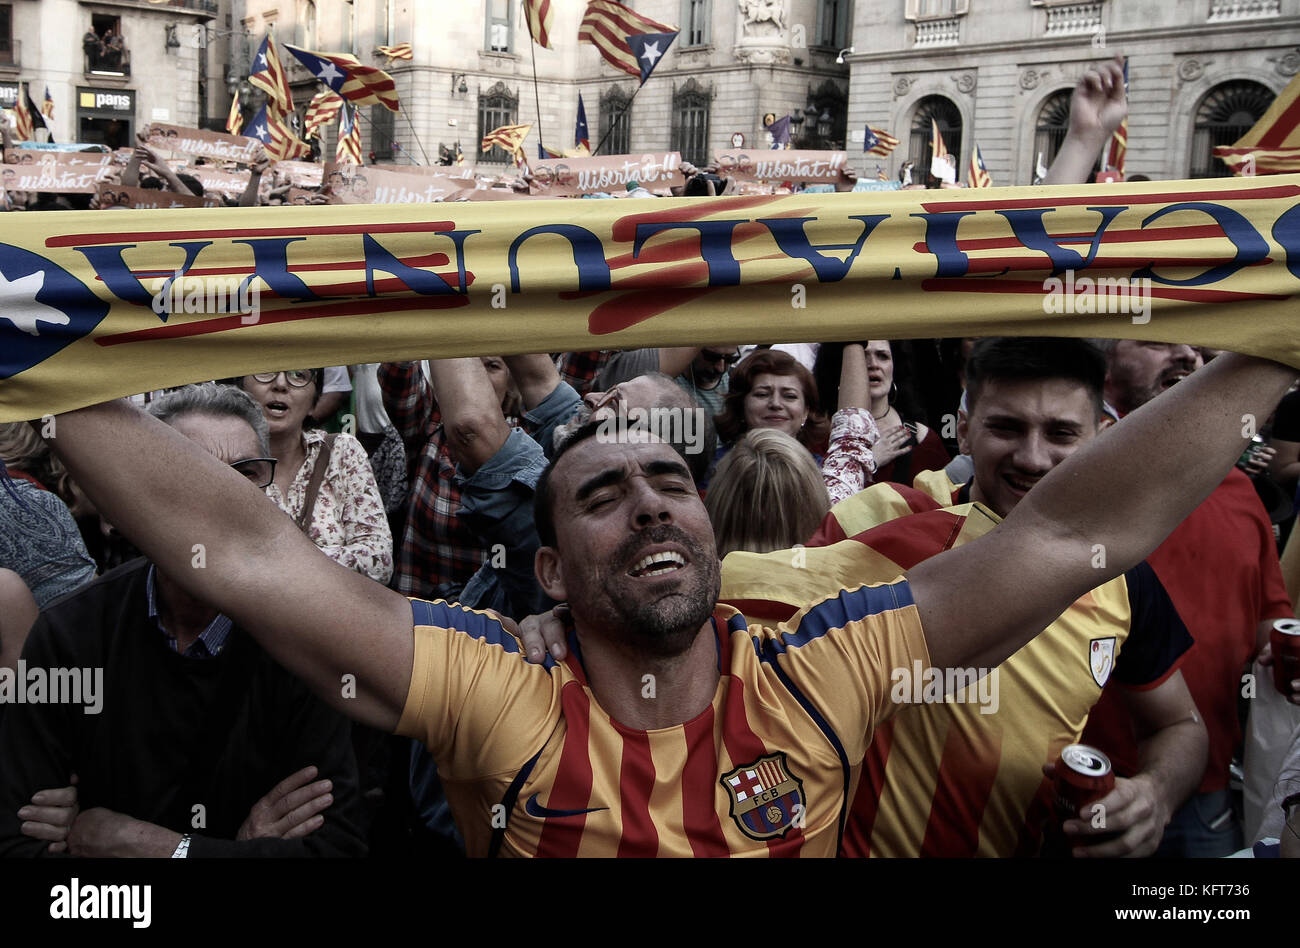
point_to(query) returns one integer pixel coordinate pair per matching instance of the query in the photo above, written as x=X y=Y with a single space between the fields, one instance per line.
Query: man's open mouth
x=657 y=564
x=1169 y=381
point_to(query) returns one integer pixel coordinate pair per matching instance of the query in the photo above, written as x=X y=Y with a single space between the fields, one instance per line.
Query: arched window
x=690 y=132
x=613 y=103
x=1225 y=114
x=1049 y=133
x=944 y=112
x=496 y=107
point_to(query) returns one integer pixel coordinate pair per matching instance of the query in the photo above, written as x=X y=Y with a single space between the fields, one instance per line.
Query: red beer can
x=1083 y=774
x=1285 y=639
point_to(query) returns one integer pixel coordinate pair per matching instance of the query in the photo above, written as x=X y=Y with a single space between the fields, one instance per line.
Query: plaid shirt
x=438 y=553
x=580 y=369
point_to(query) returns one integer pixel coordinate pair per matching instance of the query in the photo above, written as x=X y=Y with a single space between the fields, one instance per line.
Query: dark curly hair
x=731 y=422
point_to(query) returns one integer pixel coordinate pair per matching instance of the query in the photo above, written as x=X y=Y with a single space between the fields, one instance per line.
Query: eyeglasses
x=295 y=377
x=710 y=356
x=259 y=471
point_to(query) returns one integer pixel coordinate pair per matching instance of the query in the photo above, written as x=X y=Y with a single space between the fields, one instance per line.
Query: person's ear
x=963 y=431
x=550 y=575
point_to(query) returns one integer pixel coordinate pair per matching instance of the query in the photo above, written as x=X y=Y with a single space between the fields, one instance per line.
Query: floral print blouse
x=348 y=522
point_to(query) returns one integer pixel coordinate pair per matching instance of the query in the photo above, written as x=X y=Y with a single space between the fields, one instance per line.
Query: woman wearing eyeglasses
x=339 y=507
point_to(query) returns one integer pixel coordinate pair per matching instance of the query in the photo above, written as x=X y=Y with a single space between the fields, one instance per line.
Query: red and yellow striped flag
x=979 y=175
x=321 y=111
x=360 y=85
x=1273 y=142
x=24 y=127
x=937 y=148
x=539 y=14
x=607 y=25
x=348 y=150
x=400 y=51
x=268 y=75
x=509 y=137
x=234 y=121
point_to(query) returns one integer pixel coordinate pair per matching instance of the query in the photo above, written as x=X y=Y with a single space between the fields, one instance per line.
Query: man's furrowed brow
x=654 y=468
x=611 y=476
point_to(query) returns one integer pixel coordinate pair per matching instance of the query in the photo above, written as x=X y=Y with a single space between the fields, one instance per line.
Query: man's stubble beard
x=667 y=626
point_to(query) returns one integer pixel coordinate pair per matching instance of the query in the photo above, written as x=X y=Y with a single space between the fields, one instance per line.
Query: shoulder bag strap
x=313 y=486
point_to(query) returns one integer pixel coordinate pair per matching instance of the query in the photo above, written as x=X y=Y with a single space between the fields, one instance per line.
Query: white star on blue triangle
x=649 y=48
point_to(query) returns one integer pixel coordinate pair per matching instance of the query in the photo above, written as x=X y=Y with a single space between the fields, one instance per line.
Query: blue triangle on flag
x=257 y=127
x=649 y=48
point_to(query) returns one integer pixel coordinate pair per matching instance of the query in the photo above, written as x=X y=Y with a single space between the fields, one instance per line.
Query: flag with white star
x=360 y=85
x=281 y=143
x=610 y=27
x=649 y=48
x=268 y=75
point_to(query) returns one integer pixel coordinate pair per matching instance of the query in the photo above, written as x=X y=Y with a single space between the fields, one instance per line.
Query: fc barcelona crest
x=1101 y=658
x=766 y=798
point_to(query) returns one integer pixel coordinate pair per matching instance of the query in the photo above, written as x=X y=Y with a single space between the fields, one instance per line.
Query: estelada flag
x=1273 y=141
x=979 y=175
x=609 y=26
x=877 y=141
x=280 y=141
x=47 y=107
x=360 y=85
x=268 y=75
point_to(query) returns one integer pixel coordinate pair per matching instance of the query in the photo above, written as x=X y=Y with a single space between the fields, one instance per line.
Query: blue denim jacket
x=497 y=504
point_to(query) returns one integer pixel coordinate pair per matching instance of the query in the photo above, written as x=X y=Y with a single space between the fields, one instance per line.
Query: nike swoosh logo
x=533 y=808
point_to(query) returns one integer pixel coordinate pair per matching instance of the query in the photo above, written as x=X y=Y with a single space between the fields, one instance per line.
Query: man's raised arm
x=1095 y=516
x=226 y=544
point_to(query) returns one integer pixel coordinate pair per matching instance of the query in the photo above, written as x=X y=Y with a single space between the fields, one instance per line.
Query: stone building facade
x=168 y=64
x=999 y=73
x=734 y=62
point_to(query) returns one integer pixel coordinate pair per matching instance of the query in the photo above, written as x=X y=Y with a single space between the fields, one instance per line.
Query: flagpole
x=375 y=127
x=537 y=96
x=595 y=151
x=413 y=133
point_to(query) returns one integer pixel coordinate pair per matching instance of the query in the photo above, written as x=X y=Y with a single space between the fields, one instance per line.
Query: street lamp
x=839 y=60
x=462 y=89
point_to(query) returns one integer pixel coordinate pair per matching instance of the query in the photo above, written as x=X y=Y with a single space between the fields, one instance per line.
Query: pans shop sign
x=106 y=101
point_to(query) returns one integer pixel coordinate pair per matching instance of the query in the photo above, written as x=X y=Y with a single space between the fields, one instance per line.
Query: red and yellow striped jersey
x=963 y=777
x=533 y=766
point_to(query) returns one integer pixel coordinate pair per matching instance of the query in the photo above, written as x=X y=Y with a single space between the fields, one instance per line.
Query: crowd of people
x=658 y=601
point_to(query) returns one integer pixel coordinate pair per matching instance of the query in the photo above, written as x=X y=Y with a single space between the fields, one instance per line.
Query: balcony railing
x=945 y=32
x=1073 y=18
x=11 y=53
x=1222 y=11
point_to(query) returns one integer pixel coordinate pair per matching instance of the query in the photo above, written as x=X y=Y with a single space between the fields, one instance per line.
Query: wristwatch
x=182 y=848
